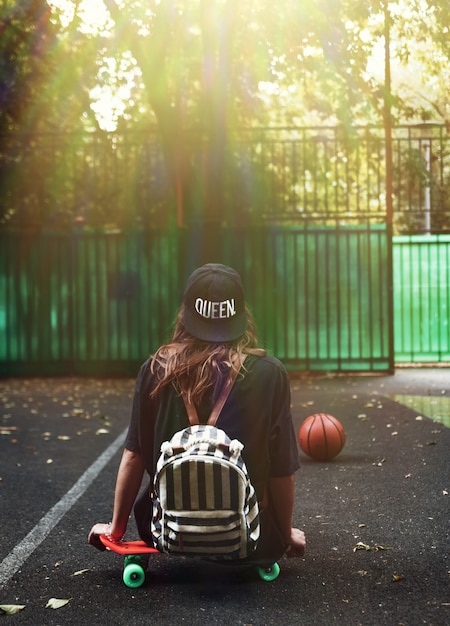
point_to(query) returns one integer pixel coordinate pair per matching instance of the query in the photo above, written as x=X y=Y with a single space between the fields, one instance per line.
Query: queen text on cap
x=215 y=310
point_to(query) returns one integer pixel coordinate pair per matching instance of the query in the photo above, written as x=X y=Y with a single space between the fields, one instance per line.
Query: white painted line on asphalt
x=17 y=557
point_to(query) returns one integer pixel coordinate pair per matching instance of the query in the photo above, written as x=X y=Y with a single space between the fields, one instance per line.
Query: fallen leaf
x=102 y=431
x=57 y=603
x=397 y=577
x=81 y=571
x=10 y=609
x=360 y=546
x=378 y=548
x=63 y=437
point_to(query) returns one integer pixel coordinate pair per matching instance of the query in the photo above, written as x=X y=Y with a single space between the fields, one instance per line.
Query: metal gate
x=99 y=303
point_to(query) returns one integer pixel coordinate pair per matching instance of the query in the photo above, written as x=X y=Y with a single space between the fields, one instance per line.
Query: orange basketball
x=321 y=436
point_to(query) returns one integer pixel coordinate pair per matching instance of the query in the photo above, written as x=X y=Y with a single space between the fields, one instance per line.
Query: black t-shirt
x=257 y=412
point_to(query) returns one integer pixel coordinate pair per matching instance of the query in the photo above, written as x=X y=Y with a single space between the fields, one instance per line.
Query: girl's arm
x=129 y=478
x=281 y=492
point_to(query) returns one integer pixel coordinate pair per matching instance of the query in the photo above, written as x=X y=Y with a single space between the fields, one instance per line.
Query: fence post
x=388 y=160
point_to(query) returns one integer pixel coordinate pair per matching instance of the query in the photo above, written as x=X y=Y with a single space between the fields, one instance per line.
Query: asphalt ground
x=376 y=517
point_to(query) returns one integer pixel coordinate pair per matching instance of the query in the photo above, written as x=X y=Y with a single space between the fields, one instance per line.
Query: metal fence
x=304 y=221
x=328 y=174
x=279 y=175
x=99 y=303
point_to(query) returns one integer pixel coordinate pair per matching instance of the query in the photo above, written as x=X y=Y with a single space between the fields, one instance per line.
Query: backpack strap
x=217 y=408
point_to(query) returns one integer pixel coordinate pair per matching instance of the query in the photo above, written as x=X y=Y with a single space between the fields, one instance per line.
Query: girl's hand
x=297 y=544
x=94 y=535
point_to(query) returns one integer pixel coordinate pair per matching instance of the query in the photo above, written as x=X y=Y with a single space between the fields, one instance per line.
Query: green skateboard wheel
x=269 y=573
x=133 y=575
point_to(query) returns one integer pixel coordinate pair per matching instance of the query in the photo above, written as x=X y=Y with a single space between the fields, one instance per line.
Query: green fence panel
x=34 y=287
x=123 y=297
x=90 y=303
x=422 y=298
x=98 y=303
x=318 y=294
x=330 y=294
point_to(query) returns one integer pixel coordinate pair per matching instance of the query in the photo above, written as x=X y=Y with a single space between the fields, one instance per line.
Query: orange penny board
x=128 y=547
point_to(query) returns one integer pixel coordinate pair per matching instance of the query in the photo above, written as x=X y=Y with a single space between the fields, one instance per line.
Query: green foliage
x=199 y=61
x=25 y=38
x=26 y=35
x=202 y=74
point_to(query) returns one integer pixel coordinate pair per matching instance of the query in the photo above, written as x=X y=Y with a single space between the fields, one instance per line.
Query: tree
x=202 y=64
x=204 y=72
x=219 y=66
x=37 y=99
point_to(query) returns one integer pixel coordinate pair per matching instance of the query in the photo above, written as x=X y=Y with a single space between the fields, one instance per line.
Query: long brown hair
x=197 y=367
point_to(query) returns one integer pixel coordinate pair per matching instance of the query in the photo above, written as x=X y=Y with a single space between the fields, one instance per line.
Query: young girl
x=214 y=333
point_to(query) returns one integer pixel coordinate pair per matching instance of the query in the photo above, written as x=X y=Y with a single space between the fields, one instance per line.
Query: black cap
x=214 y=304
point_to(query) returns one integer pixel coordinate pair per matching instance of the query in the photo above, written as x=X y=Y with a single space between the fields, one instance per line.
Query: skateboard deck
x=127 y=547
x=135 y=563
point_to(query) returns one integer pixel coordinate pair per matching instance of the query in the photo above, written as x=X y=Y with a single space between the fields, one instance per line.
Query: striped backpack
x=204 y=504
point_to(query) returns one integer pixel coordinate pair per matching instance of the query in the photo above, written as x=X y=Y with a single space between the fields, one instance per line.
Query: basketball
x=321 y=436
